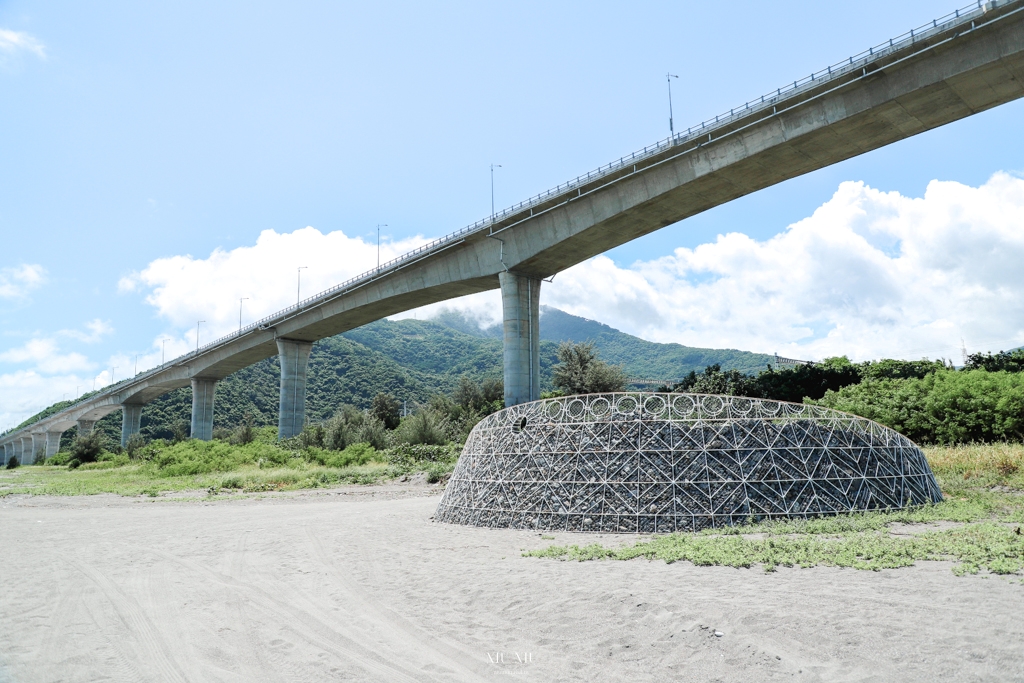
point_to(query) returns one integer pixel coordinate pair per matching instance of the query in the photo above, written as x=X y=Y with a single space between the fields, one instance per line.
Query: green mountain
x=415 y=359
x=641 y=358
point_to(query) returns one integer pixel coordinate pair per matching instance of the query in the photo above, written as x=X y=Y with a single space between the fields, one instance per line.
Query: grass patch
x=983 y=487
x=216 y=466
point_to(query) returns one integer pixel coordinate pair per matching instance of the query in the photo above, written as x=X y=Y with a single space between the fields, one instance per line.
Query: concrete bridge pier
x=16 y=450
x=52 y=443
x=520 y=303
x=38 y=446
x=8 y=453
x=131 y=420
x=28 y=449
x=294 y=357
x=85 y=427
x=202 y=408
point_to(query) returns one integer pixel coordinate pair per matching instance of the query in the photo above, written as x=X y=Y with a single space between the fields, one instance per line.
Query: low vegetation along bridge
x=962 y=64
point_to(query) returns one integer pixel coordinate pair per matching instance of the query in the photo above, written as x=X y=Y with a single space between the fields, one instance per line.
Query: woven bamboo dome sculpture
x=647 y=462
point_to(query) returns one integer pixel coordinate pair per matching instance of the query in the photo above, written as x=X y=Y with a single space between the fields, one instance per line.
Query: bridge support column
x=85 y=427
x=294 y=357
x=28 y=450
x=16 y=450
x=8 y=453
x=52 y=443
x=520 y=303
x=202 y=408
x=131 y=421
x=39 y=447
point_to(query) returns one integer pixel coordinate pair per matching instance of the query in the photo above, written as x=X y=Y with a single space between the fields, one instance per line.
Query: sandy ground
x=358 y=584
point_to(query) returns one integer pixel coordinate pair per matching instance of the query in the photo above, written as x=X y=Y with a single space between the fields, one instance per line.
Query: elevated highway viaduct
x=951 y=68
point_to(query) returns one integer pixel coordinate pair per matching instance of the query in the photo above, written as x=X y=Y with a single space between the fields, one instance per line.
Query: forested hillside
x=413 y=360
x=642 y=358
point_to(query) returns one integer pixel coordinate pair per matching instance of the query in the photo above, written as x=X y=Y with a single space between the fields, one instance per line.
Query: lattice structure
x=644 y=462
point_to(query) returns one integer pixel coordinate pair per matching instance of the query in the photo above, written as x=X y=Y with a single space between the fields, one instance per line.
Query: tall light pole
x=112 y=374
x=163 y=346
x=244 y=298
x=493 y=166
x=671 y=127
x=136 y=364
x=379 y=226
x=298 y=286
x=76 y=391
x=197 y=334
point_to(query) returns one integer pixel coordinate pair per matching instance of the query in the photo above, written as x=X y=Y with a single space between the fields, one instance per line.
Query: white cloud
x=184 y=289
x=94 y=331
x=12 y=42
x=25 y=392
x=17 y=282
x=870 y=274
x=46 y=356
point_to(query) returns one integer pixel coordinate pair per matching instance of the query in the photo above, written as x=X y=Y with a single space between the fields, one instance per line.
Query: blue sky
x=134 y=132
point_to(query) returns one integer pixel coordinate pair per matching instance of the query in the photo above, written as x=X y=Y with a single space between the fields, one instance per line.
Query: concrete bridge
x=962 y=64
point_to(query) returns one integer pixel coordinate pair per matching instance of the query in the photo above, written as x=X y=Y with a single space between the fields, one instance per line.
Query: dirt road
x=359 y=584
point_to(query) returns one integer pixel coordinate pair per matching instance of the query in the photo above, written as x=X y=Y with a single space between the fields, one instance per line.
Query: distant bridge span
x=962 y=64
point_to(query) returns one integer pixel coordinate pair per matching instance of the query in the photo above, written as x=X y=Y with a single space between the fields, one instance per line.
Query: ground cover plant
x=247 y=460
x=978 y=525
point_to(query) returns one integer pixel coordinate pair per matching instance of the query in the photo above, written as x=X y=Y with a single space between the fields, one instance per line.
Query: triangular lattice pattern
x=672 y=462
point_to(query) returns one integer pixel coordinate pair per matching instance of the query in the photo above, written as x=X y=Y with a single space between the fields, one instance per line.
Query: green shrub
x=12 y=463
x=945 y=407
x=356 y=454
x=580 y=371
x=245 y=433
x=312 y=436
x=438 y=473
x=425 y=427
x=374 y=432
x=385 y=409
x=414 y=456
x=199 y=457
x=88 y=447
x=133 y=448
x=60 y=458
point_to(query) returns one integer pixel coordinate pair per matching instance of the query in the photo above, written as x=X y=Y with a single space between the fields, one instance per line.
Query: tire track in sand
x=394 y=624
x=235 y=569
x=306 y=626
x=68 y=601
x=154 y=649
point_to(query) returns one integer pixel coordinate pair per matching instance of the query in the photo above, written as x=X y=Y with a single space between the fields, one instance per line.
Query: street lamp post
x=197 y=334
x=163 y=346
x=298 y=286
x=112 y=374
x=671 y=127
x=379 y=226
x=493 y=166
x=244 y=298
